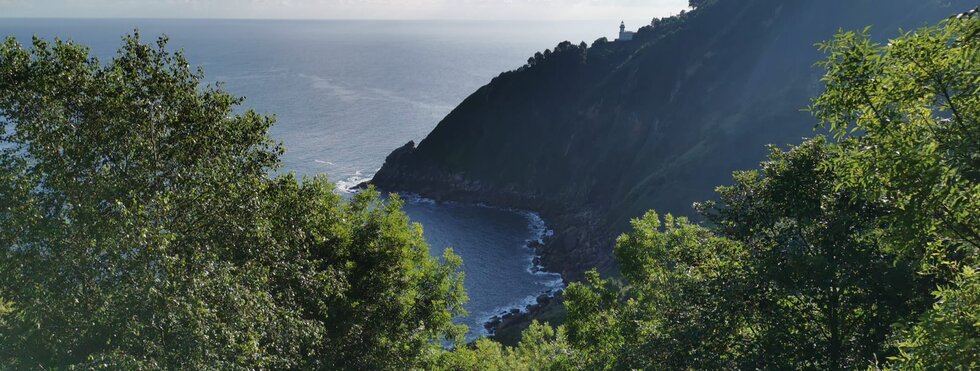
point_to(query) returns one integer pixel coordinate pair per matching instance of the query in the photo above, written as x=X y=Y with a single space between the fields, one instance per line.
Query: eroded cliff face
x=592 y=137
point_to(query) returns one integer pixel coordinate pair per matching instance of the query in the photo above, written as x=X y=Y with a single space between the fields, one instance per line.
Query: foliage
x=823 y=288
x=826 y=255
x=698 y=3
x=948 y=338
x=907 y=117
x=565 y=53
x=541 y=348
x=140 y=228
x=796 y=271
x=792 y=274
x=5 y=309
x=668 y=316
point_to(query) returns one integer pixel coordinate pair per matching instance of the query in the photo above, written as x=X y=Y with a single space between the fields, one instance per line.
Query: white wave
x=521 y=306
x=415 y=198
x=348 y=185
x=553 y=281
x=539 y=231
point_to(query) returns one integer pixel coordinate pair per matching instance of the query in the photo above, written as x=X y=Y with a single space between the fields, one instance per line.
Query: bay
x=346 y=93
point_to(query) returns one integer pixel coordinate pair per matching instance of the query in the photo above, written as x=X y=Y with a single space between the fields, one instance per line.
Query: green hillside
x=592 y=137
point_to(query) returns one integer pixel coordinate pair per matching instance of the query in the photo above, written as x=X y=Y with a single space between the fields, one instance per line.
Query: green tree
x=672 y=314
x=823 y=288
x=698 y=3
x=907 y=115
x=948 y=337
x=541 y=348
x=793 y=273
x=826 y=256
x=140 y=228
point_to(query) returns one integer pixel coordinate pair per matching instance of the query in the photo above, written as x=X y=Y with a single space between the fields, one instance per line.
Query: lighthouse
x=623 y=34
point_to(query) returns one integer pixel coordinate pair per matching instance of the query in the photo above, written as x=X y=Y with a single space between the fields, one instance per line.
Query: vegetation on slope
x=622 y=127
x=854 y=254
x=860 y=253
x=141 y=230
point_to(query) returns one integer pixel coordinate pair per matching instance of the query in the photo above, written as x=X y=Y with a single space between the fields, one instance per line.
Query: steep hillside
x=593 y=136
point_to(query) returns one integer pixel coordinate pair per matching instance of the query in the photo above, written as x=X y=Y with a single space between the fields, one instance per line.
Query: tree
x=793 y=273
x=948 y=337
x=906 y=115
x=140 y=228
x=696 y=4
x=672 y=313
x=541 y=348
x=824 y=257
x=823 y=288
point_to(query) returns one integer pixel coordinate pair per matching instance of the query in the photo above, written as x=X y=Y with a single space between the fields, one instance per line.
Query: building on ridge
x=623 y=34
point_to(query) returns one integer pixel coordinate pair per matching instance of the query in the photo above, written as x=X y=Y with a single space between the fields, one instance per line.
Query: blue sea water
x=348 y=92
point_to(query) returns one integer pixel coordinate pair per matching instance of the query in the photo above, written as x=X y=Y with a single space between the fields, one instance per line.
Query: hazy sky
x=348 y=9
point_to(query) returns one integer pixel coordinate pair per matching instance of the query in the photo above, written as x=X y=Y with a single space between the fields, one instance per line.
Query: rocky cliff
x=592 y=136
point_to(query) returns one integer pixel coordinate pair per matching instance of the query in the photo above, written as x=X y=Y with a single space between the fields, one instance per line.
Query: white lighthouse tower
x=623 y=34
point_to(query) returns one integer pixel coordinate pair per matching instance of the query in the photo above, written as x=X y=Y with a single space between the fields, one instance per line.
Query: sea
x=346 y=93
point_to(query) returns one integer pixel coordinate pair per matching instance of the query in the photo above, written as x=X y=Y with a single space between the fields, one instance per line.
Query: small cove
x=346 y=93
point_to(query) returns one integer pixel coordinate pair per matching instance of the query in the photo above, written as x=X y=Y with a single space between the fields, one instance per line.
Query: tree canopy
x=141 y=227
x=854 y=253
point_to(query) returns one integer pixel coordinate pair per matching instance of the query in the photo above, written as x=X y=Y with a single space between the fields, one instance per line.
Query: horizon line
x=330 y=19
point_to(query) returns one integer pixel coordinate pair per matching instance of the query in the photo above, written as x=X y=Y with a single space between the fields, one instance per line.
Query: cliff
x=591 y=137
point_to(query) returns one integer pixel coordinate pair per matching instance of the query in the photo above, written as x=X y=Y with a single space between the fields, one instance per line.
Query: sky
x=347 y=9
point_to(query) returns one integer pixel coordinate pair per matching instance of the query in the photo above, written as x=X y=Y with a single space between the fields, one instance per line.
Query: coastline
x=580 y=241
x=525 y=307
x=508 y=314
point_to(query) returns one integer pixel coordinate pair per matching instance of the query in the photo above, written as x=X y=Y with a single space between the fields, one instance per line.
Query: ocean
x=346 y=93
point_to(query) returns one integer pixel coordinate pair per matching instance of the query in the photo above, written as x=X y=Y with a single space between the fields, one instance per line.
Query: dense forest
x=143 y=226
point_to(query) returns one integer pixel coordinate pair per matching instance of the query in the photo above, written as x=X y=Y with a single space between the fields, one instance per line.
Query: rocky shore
x=576 y=246
x=506 y=328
